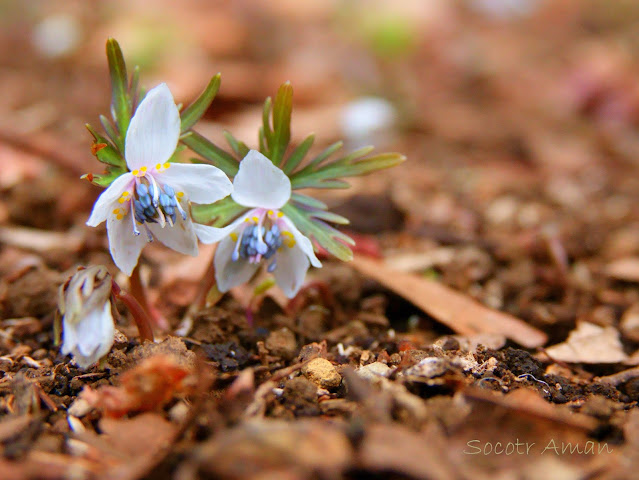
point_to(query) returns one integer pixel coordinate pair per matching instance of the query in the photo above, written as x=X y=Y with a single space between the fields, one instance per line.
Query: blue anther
x=169 y=190
x=271 y=266
x=170 y=211
x=165 y=200
x=145 y=200
x=142 y=189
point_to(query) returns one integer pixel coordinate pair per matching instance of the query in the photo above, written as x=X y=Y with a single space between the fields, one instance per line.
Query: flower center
x=261 y=237
x=150 y=201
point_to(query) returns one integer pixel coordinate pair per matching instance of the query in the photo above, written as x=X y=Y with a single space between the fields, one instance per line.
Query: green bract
x=322 y=171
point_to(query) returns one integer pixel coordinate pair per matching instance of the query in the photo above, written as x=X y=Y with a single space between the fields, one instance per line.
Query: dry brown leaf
x=148 y=386
x=456 y=310
x=590 y=343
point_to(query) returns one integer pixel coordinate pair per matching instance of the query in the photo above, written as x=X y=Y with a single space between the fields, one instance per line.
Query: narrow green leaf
x=326 y=176
x=134 y=84
x=295 y=158
x=109 y=154
x=217 y=214
x=115 y=137
x=311 y=182
x=194 y=112
x=266 y=125
x=262 y=141
x=105 y=179
x=323 y=155
x=211 y=153
x=282 y=111
x=238 y=146
x=120 y=101
x=331 y=217
x=307 y=201
x=334 y=241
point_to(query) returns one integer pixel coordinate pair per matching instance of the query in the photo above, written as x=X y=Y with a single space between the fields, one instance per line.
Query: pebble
x=374 y=370
x=322 y=373
x=282 y=343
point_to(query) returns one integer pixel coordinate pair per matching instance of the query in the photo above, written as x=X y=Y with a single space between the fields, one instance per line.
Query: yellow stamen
x=255 y=219
x=280 y=214
x=119 y=216
x=167 y=165
x=270 y=213
x=143 y=169
x=233 y=236
x=158 y=166
x=289 y=239
x=179 y=194
x=116 y=211
x=247 y=219
x=136 y=173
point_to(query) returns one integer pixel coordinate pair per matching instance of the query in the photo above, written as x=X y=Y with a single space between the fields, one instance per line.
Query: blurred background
x=516 y=116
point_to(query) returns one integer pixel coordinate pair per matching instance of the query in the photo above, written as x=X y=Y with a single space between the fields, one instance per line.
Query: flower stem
x=140 y=316
x=205 y=285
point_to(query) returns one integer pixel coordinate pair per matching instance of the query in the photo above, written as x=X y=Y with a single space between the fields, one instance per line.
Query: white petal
x=95 y=334
x=125 y=246
x=208 y=234
x=200 y=183
x=259 y=183
x=69 y=336
x=154 y=130
x=228 y=273
x=108 y=199
x=303 y=242
x=292 y=264
x=180 y=237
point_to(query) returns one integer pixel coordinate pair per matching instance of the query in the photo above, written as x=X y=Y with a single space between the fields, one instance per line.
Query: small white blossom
x=263 y=234
x=154 y=194
x=88 y=329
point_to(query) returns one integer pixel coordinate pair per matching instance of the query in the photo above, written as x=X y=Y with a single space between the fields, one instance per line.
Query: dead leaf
x=146 y=387
x=456 y=310
x=590 y=343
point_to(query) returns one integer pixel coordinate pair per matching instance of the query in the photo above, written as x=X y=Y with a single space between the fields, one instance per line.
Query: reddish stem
x=140 y=316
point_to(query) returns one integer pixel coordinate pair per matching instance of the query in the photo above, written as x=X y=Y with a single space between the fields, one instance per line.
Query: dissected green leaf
x=295 y=158
x=217 y=214
x=211 y=153
x=329 y=238
x=120 y=100
x=194 y=112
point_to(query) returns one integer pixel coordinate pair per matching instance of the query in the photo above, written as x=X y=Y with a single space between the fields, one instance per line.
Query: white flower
x=87 y=326
x=154 y=194
x=263 y=234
